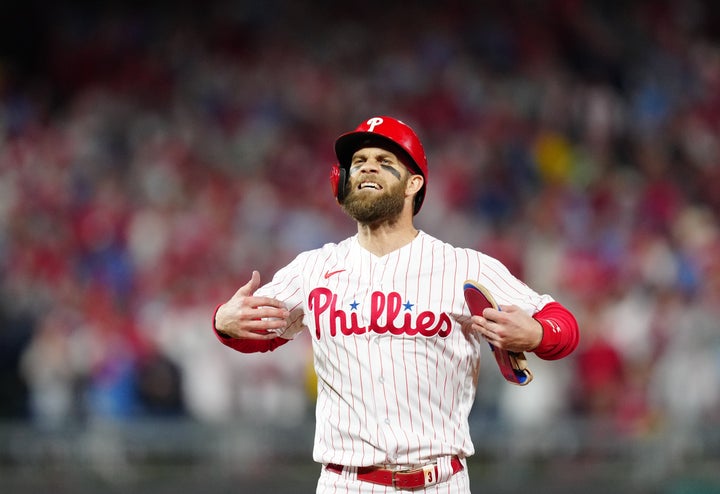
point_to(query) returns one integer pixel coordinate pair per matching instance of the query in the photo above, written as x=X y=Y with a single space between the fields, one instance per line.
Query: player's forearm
x=560 y=332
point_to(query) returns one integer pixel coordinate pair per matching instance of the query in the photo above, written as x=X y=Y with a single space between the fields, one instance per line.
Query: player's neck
x=384 y=238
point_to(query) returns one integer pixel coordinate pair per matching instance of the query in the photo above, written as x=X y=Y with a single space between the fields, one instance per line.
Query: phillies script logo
x=382 y=306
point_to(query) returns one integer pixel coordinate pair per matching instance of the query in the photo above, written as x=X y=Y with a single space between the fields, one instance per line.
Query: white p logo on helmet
x=374 y=122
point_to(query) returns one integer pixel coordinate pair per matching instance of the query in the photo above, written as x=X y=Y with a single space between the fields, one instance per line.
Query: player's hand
x=509 y=329
x=251 y=317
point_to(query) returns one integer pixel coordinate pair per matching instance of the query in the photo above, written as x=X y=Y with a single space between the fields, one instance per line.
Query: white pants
x=333 y=483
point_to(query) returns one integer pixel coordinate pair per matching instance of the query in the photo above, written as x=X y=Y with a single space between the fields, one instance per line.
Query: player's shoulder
x=340 y=246
x=438 y=244
x=462 y=255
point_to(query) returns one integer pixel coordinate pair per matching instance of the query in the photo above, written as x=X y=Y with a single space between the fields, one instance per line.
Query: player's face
x=377 y=185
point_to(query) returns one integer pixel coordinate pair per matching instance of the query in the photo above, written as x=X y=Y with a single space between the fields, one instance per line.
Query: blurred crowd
x=151 y=158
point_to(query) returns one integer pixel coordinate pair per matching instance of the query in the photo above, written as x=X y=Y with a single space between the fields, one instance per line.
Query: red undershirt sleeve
x=245 y=345
x=560 y=332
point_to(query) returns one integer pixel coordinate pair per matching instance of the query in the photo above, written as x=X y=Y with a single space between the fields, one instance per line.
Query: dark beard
x=367 y=209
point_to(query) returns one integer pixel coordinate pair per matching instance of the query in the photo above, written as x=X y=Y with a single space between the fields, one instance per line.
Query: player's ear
x=414 y=184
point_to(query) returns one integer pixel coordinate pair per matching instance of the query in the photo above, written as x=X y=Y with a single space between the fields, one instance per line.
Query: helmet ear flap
x=338 y=179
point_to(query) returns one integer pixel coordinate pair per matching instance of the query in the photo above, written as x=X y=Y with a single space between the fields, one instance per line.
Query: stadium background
x=151 y=155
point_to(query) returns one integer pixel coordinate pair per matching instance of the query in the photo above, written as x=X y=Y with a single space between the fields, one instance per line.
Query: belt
x=400 y=479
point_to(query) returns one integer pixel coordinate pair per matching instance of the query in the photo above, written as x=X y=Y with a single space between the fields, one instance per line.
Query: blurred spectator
x=600 y=373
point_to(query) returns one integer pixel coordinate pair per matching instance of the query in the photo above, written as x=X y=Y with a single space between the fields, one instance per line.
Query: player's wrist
x=217 y=330
x=539 y=335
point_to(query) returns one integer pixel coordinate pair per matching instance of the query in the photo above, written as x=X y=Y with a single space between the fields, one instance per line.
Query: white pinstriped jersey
x=396 y=372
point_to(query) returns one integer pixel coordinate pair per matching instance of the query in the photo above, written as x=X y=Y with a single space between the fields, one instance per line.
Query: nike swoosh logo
x=328 y=274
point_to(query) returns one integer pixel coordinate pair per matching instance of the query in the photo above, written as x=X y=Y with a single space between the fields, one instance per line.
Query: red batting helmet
x=386 y=132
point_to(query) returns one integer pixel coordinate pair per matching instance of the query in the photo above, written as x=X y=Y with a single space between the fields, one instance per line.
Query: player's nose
x=370 y=166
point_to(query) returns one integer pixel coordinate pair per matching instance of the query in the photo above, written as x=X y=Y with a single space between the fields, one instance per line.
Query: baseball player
x=395 y=347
